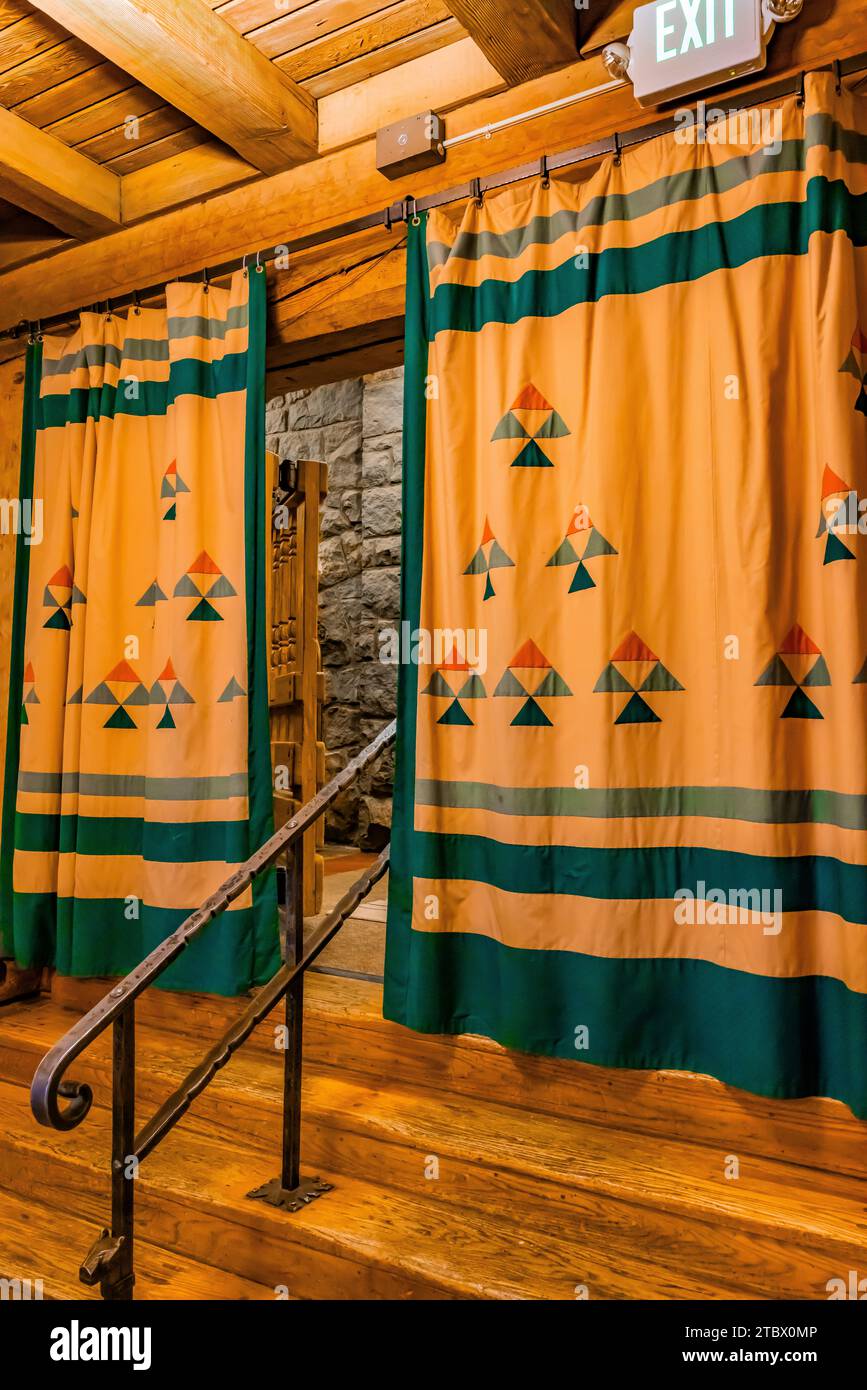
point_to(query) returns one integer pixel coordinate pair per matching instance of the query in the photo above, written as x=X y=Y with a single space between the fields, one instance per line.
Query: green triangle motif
x=861 y=678
x=800 y=706
x=204 y=612
x=233 y=690
x=553 y=684
x=472 y=688
x=119 y=720
x=531 y=715
x=612 y=681
x=508 y=684
x=24 y=719
x=597 y=545
x=167 y=721
x=660 y=678
x=180 y=696
x=555 y=427
x=861 y=403
x=836 y=550
x=58 y=619
x=818 y=674
x=478 y=564
x=437 y=685
x=101 y=695
x=531 y=456
x=455 y=714
x=581 y=579
x=509 y=427
x=221 y=588
x=637 y=711
x=498 y=559
x=489 y=589
x=776 y=673
x=851 y=366
x=172 y=513
x=565 y=554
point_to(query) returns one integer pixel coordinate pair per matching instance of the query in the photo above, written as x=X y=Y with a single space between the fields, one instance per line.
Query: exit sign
x=681 y=46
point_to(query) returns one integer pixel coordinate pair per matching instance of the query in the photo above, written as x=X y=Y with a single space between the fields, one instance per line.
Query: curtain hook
x=411 y=216
x=476 y=193
x=544 y=177
x=259 y=266
x=206 y=285
x=618 y=151
x=802 y=95
x=31 y=331
x=108 y=314
x=387 y=218
x=838 y=76
x=136 y=307
x=244 y=265
x=39 y=330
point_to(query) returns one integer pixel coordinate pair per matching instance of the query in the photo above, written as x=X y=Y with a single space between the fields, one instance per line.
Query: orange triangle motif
x=203 y=564
x=584 y=525
x=168 y=672
x=63 y=576
x=529 y=655
x=530 y=399
x=172 y=468
x=454 y=662
x=832 y=482
x=487 y=534
x=797 y=643
x=122 y=672
x=632 y=648
x=28 y=672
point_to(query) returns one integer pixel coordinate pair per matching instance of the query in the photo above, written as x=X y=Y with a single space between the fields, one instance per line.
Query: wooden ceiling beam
x=196 y=61
x=523 y=39
x=42 y=175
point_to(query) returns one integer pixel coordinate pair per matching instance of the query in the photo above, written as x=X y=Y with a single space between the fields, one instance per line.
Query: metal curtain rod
x=408 y=208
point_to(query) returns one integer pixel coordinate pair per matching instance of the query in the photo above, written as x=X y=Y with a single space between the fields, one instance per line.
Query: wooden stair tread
x=566 y=1176
x=369 y=1240
x=38 y=1242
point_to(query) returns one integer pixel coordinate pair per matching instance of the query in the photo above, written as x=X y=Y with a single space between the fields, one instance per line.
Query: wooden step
x=775 y=1230
x=344 y=1028
x=38 y=1243
x=363 y=1240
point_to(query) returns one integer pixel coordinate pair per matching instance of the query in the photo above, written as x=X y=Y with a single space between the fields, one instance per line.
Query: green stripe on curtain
x=33 y=372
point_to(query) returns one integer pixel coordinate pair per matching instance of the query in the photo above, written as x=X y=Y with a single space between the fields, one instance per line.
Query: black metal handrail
x=110 y=1261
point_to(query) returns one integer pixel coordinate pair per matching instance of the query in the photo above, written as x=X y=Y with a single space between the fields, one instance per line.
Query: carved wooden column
x=296 y=683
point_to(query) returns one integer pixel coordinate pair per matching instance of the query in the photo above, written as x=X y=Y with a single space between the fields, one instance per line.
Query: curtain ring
x=838 y=76
x=544 y=176
x=259 y=267
x=476 y=193
x=244 y=265
x=411 y=216
x=618 y=152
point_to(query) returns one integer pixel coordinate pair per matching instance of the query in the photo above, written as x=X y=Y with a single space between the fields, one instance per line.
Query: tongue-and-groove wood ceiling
x=113 y=110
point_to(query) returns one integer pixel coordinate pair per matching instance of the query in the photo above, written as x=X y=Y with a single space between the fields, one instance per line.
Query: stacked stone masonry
x=354 y=427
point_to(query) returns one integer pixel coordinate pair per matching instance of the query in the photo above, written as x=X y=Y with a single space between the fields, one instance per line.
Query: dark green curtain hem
x=98 y=940
x=745 y=1030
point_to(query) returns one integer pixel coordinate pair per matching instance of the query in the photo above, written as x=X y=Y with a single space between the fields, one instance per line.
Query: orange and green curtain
x=631 y=800
x=138 y=758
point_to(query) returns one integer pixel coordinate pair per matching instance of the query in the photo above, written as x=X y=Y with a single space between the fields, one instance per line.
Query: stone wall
x=354 y=427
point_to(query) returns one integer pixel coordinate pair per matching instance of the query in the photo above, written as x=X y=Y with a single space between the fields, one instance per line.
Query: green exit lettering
x=698 y=21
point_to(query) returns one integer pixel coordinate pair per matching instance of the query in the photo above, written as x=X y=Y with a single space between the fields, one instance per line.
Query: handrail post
x=109 y=1261
x=291 y=1191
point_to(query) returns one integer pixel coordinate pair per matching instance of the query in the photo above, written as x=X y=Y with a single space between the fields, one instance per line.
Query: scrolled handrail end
x=45 y=1096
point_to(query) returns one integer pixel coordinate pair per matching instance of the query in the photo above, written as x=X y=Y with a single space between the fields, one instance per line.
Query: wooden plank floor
x=460 y=1170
